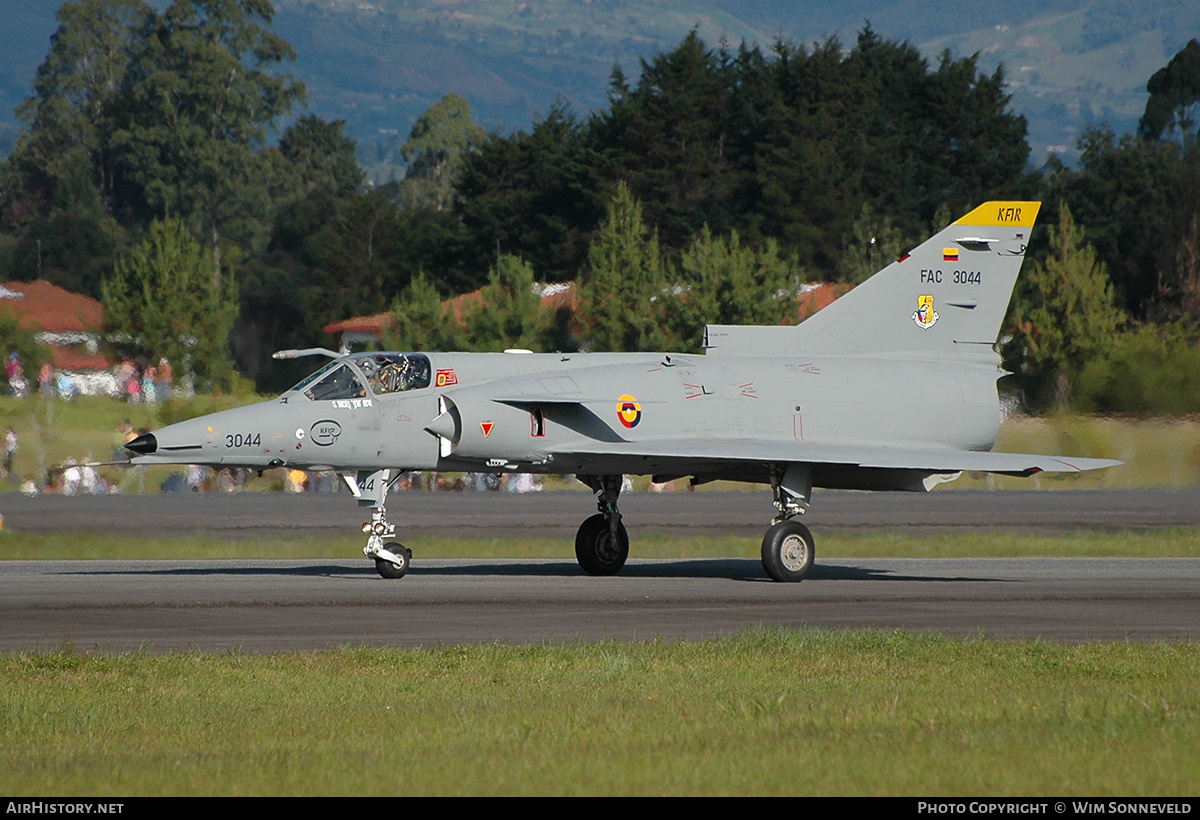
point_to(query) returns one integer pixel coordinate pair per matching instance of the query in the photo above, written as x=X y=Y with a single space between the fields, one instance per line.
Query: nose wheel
x=391 y=557
x=396 y=564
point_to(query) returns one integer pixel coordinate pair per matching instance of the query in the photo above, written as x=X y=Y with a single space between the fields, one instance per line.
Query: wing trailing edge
x=708 y=451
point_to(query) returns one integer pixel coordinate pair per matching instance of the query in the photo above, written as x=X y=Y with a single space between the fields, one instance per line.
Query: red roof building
x=817 y=295
x=359 y=330
x=68 y=324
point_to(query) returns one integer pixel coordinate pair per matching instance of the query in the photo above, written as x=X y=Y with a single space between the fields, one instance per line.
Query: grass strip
x=1164 y=543
x=772 y=711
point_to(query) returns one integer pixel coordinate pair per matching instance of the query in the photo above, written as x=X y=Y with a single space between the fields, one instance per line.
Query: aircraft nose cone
x=143 y=445
x=444 y=427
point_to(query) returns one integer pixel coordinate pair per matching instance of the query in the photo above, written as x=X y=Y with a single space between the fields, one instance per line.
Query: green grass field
x=1161 y=452
x=1183 y=543
x=771 y=712
x=85 y=429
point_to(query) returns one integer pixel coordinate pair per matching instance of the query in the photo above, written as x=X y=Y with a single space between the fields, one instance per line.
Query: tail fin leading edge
x=945 y=299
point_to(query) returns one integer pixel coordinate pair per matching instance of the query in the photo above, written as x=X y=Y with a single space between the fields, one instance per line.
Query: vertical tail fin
x=945 y=299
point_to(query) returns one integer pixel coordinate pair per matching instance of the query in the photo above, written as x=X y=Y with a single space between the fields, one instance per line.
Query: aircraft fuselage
x=518 y=411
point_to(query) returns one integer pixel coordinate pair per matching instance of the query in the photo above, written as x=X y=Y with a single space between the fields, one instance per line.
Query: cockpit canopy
x=394 y=372
x=382 y=373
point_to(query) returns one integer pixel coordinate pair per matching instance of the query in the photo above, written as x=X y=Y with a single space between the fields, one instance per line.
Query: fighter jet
x=891 y=387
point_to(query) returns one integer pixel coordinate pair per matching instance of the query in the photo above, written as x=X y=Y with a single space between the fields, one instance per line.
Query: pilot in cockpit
x=395 y=374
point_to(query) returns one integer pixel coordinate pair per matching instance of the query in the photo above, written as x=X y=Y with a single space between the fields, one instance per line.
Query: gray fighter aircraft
x=892 y=387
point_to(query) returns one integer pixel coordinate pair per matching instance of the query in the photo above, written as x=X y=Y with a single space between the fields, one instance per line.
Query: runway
x=558 y=514
x=264 y=606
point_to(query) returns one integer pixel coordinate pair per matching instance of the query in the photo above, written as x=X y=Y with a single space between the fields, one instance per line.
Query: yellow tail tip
x=1016 y=214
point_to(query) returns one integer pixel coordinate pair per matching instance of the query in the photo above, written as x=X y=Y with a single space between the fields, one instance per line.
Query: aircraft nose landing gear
x=602 y=544
x=370 y=488
x=391 y=557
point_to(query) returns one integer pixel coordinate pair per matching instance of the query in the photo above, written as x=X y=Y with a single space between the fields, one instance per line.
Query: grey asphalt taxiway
x=260 y=606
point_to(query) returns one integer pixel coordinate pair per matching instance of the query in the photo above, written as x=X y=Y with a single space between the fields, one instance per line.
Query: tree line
x=706 y=190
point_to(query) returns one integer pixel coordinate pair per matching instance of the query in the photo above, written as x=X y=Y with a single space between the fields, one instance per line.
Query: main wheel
x=788 y=551
x=389 y=570
x=596 y=549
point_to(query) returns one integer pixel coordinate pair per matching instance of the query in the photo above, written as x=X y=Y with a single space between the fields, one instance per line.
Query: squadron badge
x=925 y=316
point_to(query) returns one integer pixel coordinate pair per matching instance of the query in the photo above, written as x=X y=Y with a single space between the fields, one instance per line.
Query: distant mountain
x=379 y=63
x=1068 y=67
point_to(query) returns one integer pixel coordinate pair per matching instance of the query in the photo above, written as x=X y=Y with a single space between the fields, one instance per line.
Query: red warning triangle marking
x=486 y=426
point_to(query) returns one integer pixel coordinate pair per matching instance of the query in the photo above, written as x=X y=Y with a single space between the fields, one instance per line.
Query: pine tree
x=1071 y=316
x=161 y=302
x=725 y=282
x=875 y=244
x=622 y=290
x=420 y=319
x=509 y=313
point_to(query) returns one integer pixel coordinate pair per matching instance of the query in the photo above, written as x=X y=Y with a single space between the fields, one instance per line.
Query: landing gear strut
x=602 y=544
x=391 y=557
x=788 y=549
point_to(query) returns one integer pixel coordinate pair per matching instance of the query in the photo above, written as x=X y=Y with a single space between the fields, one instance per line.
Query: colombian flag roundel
x=629 y=411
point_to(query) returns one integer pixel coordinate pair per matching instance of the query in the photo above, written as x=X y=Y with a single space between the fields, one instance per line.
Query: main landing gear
x=788 y=549
x=602 y=544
